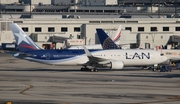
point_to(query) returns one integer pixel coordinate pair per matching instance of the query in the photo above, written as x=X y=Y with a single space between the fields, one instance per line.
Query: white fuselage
x=135 y=57
x=95 y=46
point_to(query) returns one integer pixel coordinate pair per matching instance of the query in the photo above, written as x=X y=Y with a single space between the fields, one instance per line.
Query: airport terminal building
x=145 y=32
x=74 y=22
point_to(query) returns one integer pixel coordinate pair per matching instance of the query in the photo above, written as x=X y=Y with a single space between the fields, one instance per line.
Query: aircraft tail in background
x=106 y=41
x=118 y=34
x=23 y=41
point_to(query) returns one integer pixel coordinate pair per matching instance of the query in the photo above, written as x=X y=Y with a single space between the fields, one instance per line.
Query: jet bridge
x=174 y=41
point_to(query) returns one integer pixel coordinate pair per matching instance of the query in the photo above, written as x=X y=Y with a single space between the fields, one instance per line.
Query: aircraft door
x=47 y=56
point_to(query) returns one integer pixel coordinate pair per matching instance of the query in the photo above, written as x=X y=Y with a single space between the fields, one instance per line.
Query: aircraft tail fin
x=23 y=41
x=118 y=34
x=106 y=41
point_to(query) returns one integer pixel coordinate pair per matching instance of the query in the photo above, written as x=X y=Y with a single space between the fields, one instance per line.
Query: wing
x=95 y=61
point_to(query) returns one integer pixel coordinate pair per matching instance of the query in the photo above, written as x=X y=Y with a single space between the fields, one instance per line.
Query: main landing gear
x=89 y=69
x=155 y=67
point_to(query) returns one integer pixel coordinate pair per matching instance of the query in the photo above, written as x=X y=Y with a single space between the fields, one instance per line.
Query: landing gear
x=150 y=68
x=94 y=70
x=84 y=68
x=155 y=67
x=89 y=69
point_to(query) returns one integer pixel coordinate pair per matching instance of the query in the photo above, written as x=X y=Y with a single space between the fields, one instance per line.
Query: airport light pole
x=0 y=10
x=30 y=9
x=0 y=17
x=175 y=8
x=153 y=37
x=159 y=9
x=85 y=39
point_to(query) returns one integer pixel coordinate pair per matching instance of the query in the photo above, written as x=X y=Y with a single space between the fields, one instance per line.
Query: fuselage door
x=47 y=56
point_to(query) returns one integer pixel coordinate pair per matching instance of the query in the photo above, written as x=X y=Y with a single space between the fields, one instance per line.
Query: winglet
x=87 y=52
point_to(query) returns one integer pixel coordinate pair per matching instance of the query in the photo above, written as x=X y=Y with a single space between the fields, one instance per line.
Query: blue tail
x=23 y=41
x=106 y=41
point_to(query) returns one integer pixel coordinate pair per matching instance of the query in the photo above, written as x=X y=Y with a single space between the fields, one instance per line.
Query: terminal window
x=38 y=29
x=78 y=36
x=165 y=28
x=72 y=10
x=92 y=10
x=25 y=29
x=77 y=29
x=64 y=29
x=128 y=28
x=177 y=28
x=140 y=28
x=110 y=11
x=51 y=29
x=99 y=10
x=154 y=29
x=86 y=10
x=79 y=10
x=72 y=1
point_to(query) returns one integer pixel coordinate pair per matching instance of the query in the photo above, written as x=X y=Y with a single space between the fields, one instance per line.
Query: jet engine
x=116 y=64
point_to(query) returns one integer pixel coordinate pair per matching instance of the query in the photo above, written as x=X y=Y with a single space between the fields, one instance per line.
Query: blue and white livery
x=112 y=59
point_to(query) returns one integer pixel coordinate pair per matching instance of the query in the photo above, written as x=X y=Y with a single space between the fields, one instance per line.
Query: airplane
x=98 y=46
x=112 y=59
x=108 y=43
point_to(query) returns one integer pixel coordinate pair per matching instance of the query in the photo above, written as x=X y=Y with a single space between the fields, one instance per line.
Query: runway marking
x=22 y=92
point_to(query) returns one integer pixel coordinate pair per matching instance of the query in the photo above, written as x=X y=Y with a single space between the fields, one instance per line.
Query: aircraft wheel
x=95 y=70
x=91 y=70
x=86 y=69
x=154 y=69
x=158 y=67
x=82 y=69
x=150 y=68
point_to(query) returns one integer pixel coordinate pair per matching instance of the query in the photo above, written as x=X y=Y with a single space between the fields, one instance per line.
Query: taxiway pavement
x=24 y=82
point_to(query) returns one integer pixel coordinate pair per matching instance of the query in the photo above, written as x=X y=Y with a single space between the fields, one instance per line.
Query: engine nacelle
x=116 y=64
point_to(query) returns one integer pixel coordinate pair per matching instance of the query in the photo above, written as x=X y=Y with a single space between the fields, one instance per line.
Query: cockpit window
x=162 y=54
